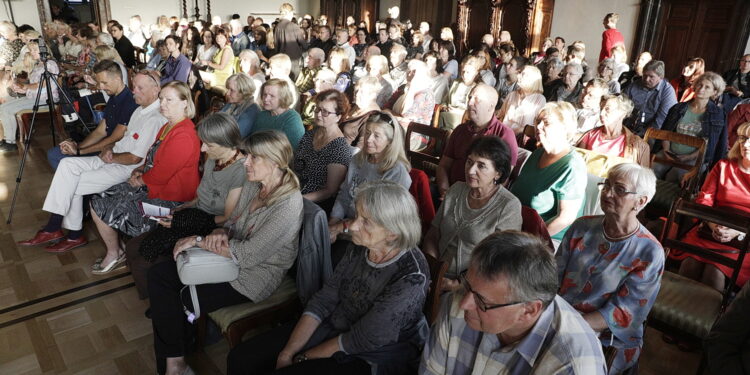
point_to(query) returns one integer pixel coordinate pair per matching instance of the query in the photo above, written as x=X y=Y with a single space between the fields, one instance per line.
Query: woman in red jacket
x=168 y=177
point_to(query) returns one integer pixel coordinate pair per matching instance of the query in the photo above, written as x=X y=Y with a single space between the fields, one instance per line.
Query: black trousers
x=258 y=356
x=172 y=331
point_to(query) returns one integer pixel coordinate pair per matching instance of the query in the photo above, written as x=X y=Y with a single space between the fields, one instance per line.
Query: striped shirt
x=560 y=342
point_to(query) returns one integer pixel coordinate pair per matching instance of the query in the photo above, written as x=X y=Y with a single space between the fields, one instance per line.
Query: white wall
x=123 y=9
x=385 y=4
x=24 y=12
x=582 y=20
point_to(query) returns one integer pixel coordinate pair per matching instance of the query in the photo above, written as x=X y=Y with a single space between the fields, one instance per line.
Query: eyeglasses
x=742 y=139
x=619 y=190
x=478 y=299
x=324 y=112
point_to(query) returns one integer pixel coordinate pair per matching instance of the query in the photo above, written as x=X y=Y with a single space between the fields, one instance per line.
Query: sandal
x=100 y=269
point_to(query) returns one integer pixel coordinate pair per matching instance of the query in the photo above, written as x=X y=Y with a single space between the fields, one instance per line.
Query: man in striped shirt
x=508 y=319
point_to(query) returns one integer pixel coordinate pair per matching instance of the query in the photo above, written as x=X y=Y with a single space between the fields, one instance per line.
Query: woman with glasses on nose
x=323 y=154
x=727 y=185
x=474 y=209
x=609 y=267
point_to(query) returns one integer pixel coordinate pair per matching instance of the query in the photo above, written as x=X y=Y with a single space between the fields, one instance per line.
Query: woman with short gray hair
x=609 y=267
x=241 y=102
x=367 y=318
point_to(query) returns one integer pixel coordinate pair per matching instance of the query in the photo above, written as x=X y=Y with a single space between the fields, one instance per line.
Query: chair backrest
x=436 y=115
x=313 y=266
x=438 y=268
x=533 y=224
x=694 y=169
x=427 y=158
x=140 y=55
x=683 y=217
x=420 y=190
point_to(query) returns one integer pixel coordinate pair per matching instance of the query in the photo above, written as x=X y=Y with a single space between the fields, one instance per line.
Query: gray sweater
x=375 y=309
x=264 y=243
x=359 y=174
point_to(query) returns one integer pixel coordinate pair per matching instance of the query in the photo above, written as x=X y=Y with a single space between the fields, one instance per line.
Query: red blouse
x=174 y=176
x=726 y=186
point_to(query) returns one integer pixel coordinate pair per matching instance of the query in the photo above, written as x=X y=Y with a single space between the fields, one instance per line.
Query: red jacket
x=739 y=116
x=610 y=38
x=174 y=176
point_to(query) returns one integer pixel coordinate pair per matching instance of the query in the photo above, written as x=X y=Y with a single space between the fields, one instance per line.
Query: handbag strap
x=196 y=305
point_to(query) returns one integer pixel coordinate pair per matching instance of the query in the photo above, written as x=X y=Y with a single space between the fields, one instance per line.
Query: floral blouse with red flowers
x=620 y=279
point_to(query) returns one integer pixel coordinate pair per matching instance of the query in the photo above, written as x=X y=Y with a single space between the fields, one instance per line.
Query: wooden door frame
x=102 y=12
x=650 y=21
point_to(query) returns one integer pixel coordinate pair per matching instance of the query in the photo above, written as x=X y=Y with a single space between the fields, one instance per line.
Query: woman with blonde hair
x=383 y=157
x=522 y=106
x=377 y=67
x=418 y=102
x=365 y=102
x=241 y=102
x=553 y=179
x=261 y=236
x=9 y=50
x=457 y=99
x=276 y=100
x=249 y=63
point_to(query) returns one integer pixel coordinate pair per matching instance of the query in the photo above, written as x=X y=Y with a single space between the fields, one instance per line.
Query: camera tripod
x=45 y=83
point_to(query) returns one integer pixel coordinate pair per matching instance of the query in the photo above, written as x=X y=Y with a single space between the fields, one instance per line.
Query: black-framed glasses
x=619 y=190
x=324 y=112
x=478 y=299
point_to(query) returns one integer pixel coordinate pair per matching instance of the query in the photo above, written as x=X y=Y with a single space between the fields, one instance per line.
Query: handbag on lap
x=197 y=266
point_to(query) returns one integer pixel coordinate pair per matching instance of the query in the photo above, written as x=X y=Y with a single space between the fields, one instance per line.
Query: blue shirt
x=246 y=119
x=651 y=105
x=119 y=109
x=176 y=69
x=560 y=342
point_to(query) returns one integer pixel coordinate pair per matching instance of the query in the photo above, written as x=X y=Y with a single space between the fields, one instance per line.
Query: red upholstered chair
x=533 y=224
x=420 y=189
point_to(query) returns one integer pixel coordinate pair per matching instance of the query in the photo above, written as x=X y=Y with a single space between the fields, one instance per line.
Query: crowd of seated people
x=313 y=112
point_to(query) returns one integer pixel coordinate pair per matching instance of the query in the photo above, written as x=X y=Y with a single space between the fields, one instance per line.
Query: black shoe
x=8 y=147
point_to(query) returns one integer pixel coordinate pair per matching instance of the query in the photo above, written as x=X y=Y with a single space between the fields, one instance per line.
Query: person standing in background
x=611 y=36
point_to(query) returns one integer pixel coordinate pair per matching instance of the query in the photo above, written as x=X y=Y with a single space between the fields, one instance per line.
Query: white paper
x=153 y=210
x=84 y=92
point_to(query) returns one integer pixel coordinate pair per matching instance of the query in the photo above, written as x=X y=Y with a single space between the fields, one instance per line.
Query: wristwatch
x=198 y=239
x=345 y=225
x=301 y=357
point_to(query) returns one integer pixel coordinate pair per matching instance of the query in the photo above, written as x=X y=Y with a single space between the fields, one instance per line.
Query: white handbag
x=197 y=266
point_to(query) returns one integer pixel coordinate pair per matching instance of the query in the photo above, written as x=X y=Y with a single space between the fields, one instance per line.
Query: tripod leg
x=64 y=95
x=51 y=105
x=27 y=144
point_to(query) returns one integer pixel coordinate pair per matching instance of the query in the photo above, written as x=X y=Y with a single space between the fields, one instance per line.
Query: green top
x=543 y=189
x=289 y=123
x=689 y=124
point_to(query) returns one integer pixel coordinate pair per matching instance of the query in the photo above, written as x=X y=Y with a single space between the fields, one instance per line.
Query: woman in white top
x=523 y=105
x=207 y=49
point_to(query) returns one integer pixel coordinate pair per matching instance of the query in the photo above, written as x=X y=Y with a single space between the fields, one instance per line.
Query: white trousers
x=8 y=112
x=79 y=176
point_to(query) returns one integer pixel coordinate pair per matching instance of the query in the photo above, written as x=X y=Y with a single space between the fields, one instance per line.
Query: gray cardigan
x=264 y=243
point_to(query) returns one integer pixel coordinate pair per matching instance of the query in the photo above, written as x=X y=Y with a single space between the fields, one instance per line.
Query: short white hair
x=643 y=179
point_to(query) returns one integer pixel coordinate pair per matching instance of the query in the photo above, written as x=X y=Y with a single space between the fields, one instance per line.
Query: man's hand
x=69 y=147
x=107 y=156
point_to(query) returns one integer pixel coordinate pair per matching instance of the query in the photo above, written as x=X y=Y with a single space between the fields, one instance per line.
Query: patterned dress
x=619 y=279
x=119 y=206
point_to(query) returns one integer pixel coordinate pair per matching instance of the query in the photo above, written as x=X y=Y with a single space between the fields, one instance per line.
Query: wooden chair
x=438 y=268
x=23 y=119
x=685 y=308
x=427 y=158
x=667 y=192
x=196 y=99
x=436 y=115
x=140 y=55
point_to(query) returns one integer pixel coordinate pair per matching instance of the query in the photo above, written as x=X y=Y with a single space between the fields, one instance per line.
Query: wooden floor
x=58 y=318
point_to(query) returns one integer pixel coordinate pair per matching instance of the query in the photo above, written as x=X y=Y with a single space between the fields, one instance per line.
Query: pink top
x=595 y=140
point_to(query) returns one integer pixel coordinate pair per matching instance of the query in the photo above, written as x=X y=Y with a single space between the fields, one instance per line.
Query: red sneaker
x=66 y=245
x=42 y=237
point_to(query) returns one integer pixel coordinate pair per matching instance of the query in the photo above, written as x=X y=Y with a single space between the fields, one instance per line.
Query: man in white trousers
x=76 y=177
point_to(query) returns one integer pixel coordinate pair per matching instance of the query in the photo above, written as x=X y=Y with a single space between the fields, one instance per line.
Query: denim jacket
x=714 y=129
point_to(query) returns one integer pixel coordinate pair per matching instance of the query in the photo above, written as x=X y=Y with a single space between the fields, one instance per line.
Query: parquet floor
x=58 y=318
